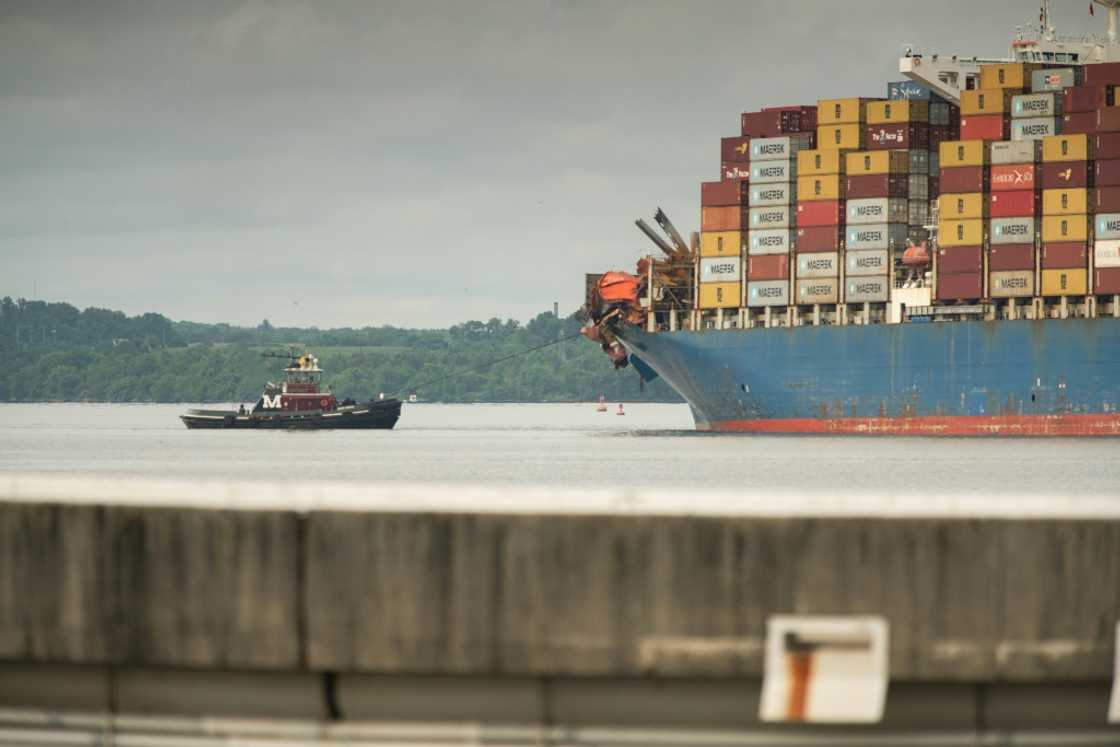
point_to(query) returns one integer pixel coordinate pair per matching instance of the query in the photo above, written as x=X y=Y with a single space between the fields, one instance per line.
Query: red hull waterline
x=1097 y=424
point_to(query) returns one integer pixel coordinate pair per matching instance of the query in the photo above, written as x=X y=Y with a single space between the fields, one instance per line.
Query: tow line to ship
x=488 y=364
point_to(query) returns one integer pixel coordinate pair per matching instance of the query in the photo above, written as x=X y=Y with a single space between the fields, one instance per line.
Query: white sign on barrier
x=1114 y=701
x=825 y=669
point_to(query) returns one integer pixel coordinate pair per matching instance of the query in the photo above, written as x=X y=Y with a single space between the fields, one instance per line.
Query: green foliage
x=56 y=353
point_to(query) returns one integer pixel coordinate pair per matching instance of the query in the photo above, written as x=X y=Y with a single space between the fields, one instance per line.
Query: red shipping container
x=1012 y=177
x=820 y=213
x=1106 y=145
x=877 y=185
x=727 y=218
x=818 y=239
x=952 y=259
x=1104 y=73
x=1064 y=255
x=1106 y=280
x=1079 y=123
x=1108 y=119
x=1107 y=173
x=986 y=127
x=1002 y=257
x=1014 y=204
x=737 y=171
x=774 y=123
x=961 y=285
x=735 y=149
x=964 y=179
x=1086 y=98
x=768 y=267
x=727 y=192
x=901 y=136
x=1066 y=175
x=1106 y=200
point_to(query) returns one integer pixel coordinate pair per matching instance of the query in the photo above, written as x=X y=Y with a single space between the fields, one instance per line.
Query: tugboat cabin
x=300 y=391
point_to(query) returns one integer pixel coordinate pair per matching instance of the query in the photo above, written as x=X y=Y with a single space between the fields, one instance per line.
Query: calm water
x=653 y=446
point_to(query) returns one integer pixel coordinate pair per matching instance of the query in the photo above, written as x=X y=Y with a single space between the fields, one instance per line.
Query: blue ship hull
x=1045 y=378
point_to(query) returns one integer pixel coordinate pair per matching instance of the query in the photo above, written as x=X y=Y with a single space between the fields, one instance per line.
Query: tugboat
x=298 y=403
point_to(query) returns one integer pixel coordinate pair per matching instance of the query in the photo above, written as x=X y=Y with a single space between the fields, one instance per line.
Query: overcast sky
x=409 y=163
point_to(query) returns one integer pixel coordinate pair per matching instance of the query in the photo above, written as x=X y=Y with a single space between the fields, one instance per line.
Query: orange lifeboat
x=916 y=255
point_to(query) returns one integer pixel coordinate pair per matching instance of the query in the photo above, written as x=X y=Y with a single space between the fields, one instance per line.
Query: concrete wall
x=488 y=594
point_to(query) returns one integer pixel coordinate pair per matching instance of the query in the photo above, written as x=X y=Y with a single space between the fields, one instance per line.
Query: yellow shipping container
x=721 y=243
x=862 y=162
x=890 y=112
x=962 y=153
x=825 y=187
x=841 y=111
x=1007 y=75
x=720 y=295
x=1065 y=228
x=849 y=136
x=1065 y=148
x=986 y=101
x=962 y=206
x=960 y=232
x=1066 y=201
x=1065 y=282
x=820 y=161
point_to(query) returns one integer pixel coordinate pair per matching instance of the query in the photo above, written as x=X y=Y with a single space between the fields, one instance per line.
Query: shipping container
x=939 y=135
x=870 y=289
x=1015 y=152
x=820 y=265
x=1101 y=74
x=893 y=112
x=721 y=244
x=784 y=148
x=771 y=172
x=770 y=241
x=877 y=236
x=818 y=290
x=1065 y=255
x=1011 y=283
x=944 y=114
x=772 y=194
x=768 y=293
x=1086 y=98
x=1106 y=145
x=1004 y=257
x=986 y=127
x=908 y=90
x=917 y=161
x=1057 y=228
x=1066 y=201
x=820 y=213
x=1055 y=79
x=1107 y=226
x=956 y=259
x=849 y=136
x=1012 y=177
x=905 y=136
x=1107 y=253
x=1007 y=74
x=735 y=149
x=1106 y=280
x=917 y=187
x=768 y=267
x=722 y=193
x=954 y=153
x=960 y=286
x=1017 y=230
x=1104 y=200
x=917 y=212
x=728 y=218
x=818 y=239
x=1079 y=123
x=1035 y=128
x=1066 y=174
x=777 y=216
x=720 y=295
x=1108 y=119
x=721 y=270
x=960 y=232
x=842 y=111
x=877 y=185
x=981 y=101
x=771 y=123
x=820 y=162
x=877 y=210
x=1066 y=147
x=1014 y=204
x=964 y=179
x=934 y=186
x=735 y=171
x=859 y=162
x=1106 y=173
x=1065 y=282
x=867 y=262
x=827 y=187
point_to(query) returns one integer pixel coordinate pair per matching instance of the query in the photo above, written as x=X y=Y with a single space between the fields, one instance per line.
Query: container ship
x=940 y=260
